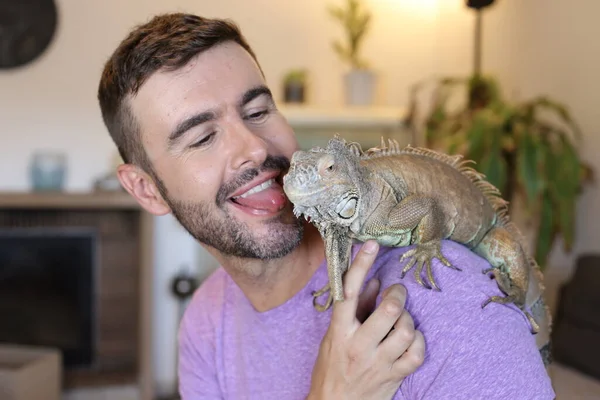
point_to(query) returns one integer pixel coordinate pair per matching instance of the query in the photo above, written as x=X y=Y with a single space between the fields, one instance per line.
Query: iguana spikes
x=392 y=147
x=355 y=149
x=336 y=144
x=457 y=161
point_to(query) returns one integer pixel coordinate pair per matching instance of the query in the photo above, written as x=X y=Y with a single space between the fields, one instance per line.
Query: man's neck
x=280 y=279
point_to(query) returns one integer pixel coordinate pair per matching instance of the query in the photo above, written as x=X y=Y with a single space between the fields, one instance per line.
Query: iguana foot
x=504 y=283
x=499 y=300
x=535 y=328
x=421 y=255
x=319 y=293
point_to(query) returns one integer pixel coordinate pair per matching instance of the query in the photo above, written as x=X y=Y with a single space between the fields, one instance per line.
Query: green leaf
x=551 y=165
x=566 y=212
x=438 y=115
x=572 y=165
x=561 y=110
x=493 y=165
x=566 y=190
x=528 y=167
x=476 y=135
x=546 y=231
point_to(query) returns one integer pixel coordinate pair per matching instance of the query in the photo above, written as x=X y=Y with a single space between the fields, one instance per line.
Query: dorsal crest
x=491 y=192
x=339 y=146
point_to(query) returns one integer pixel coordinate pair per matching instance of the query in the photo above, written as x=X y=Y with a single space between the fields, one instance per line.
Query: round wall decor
x=27 y=27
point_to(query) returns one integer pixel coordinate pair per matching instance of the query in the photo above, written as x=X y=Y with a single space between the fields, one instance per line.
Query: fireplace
x=76 y=275
x=47 y=290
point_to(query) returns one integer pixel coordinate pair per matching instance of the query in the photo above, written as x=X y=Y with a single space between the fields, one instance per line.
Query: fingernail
x=370 y=247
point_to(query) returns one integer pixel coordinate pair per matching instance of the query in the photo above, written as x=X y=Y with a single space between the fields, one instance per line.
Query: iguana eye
x=347 y=208
x=327 y=164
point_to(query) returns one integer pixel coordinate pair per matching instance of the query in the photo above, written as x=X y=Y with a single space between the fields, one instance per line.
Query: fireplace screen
x=47 y=288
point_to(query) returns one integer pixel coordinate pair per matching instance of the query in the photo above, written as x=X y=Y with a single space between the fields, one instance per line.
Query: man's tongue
x=271 y=199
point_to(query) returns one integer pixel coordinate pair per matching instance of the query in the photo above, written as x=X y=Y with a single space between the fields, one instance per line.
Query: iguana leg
x=421 y=219
x=338 y=246
x=510 y=267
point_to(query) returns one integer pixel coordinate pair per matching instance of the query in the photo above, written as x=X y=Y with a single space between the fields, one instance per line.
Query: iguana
x=413 y=196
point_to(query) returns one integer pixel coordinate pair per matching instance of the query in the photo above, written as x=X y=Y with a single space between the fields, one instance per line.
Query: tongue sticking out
x=271 y=199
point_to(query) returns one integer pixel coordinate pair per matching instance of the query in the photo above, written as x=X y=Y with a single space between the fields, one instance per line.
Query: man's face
x=219 y=149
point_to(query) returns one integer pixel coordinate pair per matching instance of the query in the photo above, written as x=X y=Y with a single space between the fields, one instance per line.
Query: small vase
x=294 y=93
x=47 y=171
x=359 y=85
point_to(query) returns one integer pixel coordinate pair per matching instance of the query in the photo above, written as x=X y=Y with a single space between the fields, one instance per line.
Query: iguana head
x=324 y=184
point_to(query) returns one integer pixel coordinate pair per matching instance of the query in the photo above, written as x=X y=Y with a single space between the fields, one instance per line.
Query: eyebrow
x=207 y=116
x=254 y=93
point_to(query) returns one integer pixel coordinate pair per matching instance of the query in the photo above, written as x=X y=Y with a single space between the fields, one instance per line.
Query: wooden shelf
x=68 y=200
x=353 y=117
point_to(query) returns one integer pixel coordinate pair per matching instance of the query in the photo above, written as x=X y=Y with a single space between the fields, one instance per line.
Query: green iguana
x=405 y=196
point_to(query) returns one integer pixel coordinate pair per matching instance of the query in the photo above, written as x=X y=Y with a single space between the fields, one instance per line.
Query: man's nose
x=249 y=147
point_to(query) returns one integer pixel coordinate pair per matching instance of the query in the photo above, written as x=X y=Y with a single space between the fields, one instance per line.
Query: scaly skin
x=413 y=196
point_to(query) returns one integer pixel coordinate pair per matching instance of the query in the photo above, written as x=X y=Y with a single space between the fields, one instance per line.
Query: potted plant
x=527 y=149
x=360 y=80
x=294 y=86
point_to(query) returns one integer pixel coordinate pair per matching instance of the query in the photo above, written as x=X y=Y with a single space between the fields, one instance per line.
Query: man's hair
x=166 y=42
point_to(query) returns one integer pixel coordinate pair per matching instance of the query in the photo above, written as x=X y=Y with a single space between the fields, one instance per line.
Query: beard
x=214 y=226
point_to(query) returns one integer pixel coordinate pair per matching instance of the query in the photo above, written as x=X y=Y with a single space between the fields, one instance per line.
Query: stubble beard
x=213 y=225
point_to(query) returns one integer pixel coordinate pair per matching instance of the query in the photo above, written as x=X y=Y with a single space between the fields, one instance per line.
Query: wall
x=51 y=104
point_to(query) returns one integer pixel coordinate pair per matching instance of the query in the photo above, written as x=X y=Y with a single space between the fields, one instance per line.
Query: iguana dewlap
x=413 y=196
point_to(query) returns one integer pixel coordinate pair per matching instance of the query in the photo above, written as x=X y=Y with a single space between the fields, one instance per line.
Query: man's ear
x=141 y=186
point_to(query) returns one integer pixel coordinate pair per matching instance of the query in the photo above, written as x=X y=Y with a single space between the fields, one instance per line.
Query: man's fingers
x=400 y=338
x=412 y=359
x=381 y=321
x=344 y=312
x=367 y=300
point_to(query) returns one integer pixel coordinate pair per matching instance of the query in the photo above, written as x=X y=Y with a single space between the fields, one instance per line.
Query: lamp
x=478 y=6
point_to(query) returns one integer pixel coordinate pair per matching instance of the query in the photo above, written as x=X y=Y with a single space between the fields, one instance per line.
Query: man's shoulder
x=455 y=312
x=492 y=344
x=461 y=293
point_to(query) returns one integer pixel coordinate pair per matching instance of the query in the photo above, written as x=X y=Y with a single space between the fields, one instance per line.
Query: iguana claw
x=504 y=283
x=319 y=293
x=421 y=255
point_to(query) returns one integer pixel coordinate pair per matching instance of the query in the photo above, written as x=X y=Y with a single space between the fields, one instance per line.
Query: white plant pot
x=359 y=86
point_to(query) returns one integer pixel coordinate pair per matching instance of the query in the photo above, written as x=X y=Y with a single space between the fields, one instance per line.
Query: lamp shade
x=479 y=4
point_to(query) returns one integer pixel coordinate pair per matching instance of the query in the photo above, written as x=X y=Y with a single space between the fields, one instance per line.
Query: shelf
x=351 y=117
x=68 y=200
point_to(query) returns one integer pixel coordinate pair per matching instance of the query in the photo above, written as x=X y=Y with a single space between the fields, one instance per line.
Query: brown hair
x=167 y=41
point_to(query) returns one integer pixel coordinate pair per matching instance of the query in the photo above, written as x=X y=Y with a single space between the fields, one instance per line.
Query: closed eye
x=204 y=141
x=257 y=116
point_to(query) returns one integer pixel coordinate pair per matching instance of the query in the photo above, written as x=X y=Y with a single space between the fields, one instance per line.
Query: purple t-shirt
x=230 y=351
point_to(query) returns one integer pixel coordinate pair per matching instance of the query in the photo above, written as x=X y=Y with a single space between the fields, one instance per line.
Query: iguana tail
x=535 y=302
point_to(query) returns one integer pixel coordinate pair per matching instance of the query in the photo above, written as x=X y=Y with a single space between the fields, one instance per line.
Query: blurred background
x=92 y=288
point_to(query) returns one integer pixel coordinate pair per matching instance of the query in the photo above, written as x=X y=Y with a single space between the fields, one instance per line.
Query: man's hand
x=370 y=359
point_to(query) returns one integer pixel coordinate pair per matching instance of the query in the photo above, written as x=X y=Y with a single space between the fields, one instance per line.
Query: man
x=186 y=103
